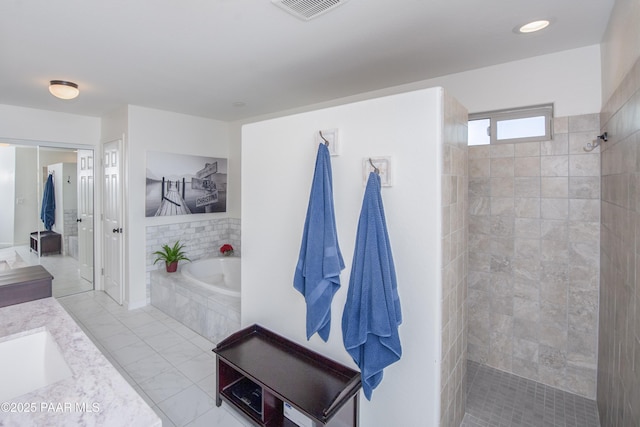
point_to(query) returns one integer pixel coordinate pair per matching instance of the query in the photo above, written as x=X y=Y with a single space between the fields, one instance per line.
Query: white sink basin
x=29 y=362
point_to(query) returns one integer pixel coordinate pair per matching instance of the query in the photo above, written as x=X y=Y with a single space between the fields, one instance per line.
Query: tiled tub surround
x=94 y=379
x=454 y=263
x=619 y=346
x=212 y=315
x=201 y=238
x=534 y=232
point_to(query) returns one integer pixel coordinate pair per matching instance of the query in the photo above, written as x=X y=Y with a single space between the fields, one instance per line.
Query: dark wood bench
x=24 y=284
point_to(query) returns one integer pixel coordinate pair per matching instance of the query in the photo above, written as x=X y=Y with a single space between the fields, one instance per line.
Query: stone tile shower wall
x=201 y=239
x=454 y=263
x=619 y=346
x=534 y=256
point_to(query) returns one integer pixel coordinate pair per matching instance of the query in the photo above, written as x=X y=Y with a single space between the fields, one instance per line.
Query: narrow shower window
x=515 y=125
x=479 y=132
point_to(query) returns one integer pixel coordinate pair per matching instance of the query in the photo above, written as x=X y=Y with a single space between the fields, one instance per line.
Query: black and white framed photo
x=179 y=184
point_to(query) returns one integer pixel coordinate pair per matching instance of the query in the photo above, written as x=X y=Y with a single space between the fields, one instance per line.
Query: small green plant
x=171 y=254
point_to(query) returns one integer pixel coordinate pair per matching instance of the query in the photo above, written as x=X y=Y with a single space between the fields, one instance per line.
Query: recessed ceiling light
x=534 y=26
x=63 y=89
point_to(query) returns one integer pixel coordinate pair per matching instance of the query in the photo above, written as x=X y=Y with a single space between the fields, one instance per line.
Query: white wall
x=65 y=193
x=28 y=194
x=570 y=79
x=7 y=189
x=155 y=130
x=56 y=169
x=621 y=45
x=32 y=126
x=29 y=186
x=278 y=159
x=234 y=172
x=42 y=125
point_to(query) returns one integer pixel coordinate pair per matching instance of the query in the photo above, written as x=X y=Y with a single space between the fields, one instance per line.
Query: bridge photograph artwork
x=180 y=184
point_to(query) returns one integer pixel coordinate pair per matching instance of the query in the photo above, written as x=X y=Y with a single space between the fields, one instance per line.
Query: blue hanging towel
x=372 y=312
x=48 y=210
x=317 y=274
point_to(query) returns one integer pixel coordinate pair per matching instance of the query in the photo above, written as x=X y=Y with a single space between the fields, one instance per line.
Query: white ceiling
x=199 y=57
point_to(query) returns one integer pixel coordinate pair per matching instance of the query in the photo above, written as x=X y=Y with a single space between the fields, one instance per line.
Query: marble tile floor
x=64 y=269
x=499 y=399
x=169 y=365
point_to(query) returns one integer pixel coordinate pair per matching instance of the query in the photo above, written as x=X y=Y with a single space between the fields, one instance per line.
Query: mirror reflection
x=46 y=214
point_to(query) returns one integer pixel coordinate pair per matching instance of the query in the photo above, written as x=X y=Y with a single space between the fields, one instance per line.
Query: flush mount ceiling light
x=63 y=90
x=307 y=9
x=534 y=26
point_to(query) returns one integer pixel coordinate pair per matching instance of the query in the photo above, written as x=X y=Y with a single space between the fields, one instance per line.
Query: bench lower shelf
x=46 y=242
x=318 y=390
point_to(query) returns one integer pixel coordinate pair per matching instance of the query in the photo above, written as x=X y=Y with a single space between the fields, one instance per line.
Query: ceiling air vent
x=308 y=9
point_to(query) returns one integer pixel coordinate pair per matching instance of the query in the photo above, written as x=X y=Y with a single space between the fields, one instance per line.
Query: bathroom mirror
x=63 y=244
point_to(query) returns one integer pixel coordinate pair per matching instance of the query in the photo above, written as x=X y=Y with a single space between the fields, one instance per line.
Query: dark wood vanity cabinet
x=261 y=373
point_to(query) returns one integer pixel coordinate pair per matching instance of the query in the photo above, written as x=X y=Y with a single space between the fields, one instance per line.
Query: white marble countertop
x=95 y=395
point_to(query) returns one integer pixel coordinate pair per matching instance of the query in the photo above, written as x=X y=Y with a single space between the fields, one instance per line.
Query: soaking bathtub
x=220 y=274
x=204 y=295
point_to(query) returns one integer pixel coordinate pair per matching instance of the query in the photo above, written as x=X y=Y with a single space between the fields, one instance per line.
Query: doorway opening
x=46 y=216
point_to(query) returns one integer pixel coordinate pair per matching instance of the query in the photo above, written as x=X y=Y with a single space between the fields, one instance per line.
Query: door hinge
x=102 y=271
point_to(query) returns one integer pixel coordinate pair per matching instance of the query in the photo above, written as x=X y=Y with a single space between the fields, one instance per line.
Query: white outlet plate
x=330 y=135
x=384 y=169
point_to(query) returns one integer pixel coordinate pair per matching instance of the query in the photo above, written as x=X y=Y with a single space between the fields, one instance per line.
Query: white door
x=112 y=229
x=85 y=213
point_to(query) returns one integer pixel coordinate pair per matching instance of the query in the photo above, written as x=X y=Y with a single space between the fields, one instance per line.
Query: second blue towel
x=372 y=311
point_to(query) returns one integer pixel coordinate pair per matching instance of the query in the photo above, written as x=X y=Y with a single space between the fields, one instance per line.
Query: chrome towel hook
x=326 y=141
x=599 y=140
x=375 y=168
